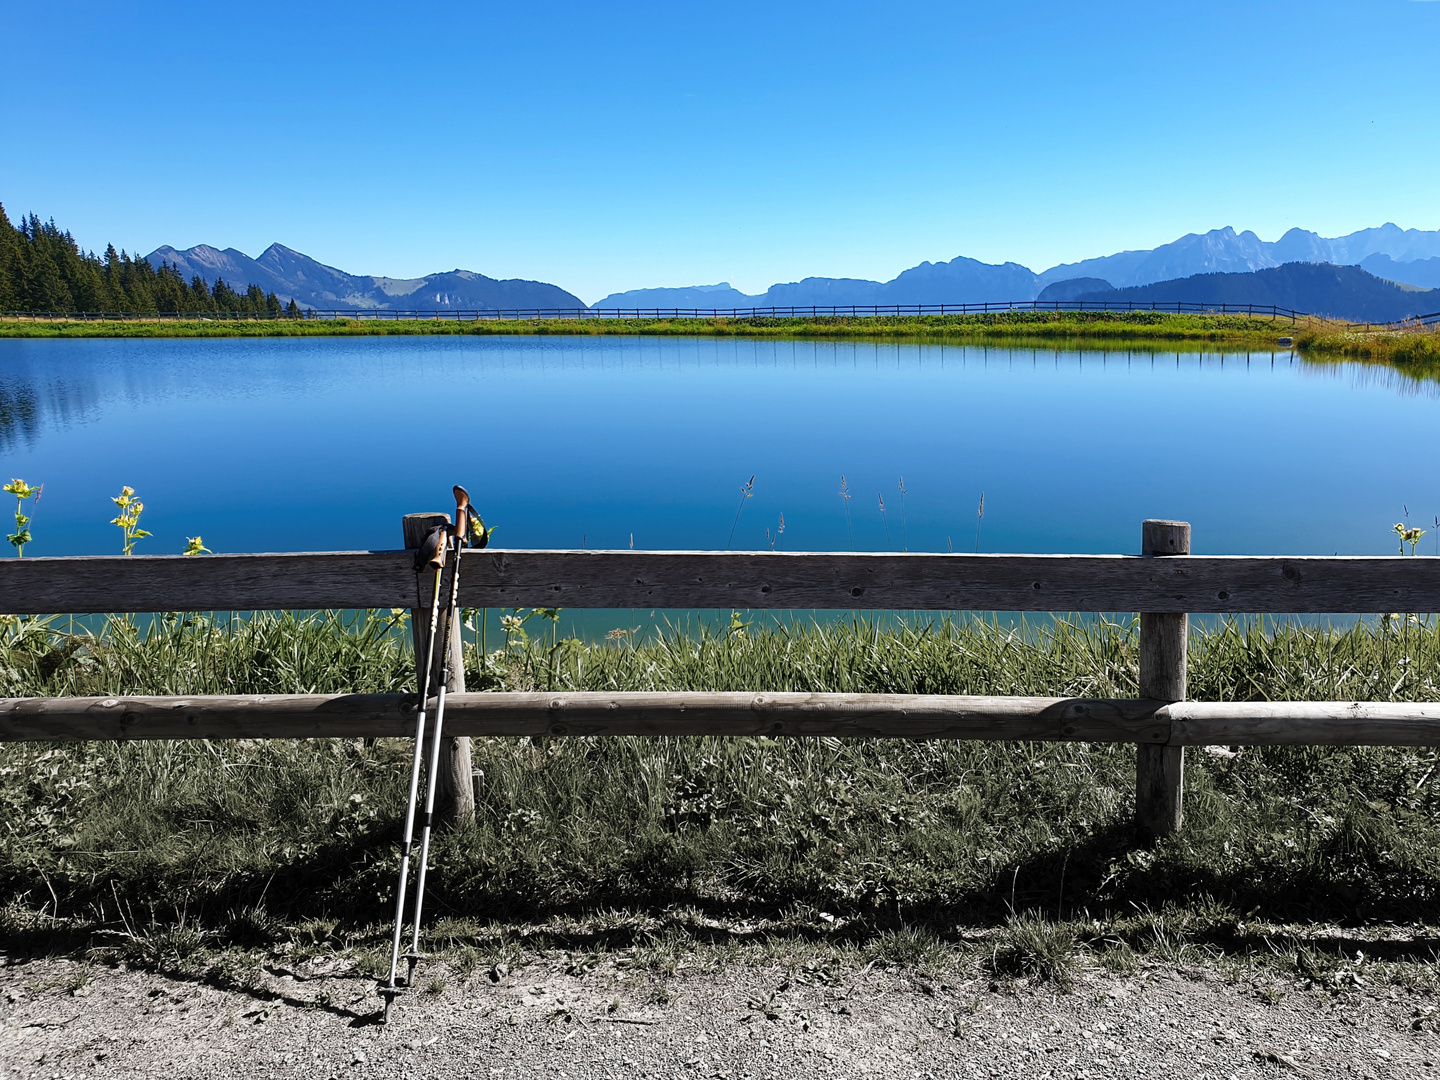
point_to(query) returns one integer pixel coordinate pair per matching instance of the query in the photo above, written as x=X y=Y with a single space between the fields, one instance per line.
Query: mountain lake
x=612 y=442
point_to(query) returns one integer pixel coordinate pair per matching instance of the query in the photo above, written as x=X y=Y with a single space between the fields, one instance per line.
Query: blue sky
x=621 y=146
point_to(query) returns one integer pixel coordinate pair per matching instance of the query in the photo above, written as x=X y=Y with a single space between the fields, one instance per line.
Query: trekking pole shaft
x=450 y=613
x=400 y=889
x=426 y=823
x=407 y=838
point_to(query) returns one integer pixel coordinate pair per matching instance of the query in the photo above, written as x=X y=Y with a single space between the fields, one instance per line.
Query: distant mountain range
x=1343 y=292
x=1422 y=273
x=1410 y=256
x=1390 y=254
x=291 y=275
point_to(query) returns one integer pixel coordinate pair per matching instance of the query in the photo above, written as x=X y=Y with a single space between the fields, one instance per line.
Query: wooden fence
x=1165 y=584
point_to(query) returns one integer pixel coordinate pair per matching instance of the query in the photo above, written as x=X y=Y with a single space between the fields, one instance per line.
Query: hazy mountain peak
x=719 y=297
x=293 y=274
x=1346 y=292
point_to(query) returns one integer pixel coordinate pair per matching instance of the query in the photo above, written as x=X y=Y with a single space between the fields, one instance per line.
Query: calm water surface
x=322 y=444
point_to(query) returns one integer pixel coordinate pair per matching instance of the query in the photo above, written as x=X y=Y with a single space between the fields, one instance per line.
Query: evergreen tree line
x=43 y=270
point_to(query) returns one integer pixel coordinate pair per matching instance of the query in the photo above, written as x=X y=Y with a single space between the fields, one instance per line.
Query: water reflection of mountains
x=28 y=407
x=32 y=405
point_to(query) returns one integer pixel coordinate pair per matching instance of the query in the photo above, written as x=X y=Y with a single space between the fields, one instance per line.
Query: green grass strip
x=1025 y=325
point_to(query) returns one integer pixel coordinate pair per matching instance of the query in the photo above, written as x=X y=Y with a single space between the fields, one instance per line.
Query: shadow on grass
x=1156 y=900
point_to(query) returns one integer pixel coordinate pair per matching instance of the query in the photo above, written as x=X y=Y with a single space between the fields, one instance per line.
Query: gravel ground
x=315 y=1020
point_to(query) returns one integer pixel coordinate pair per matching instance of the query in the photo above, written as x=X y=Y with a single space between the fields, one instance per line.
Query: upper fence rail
x=496 y=578
x=1179 y=307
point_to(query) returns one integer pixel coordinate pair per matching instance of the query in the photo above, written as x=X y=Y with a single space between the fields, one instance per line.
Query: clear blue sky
x=605 y=147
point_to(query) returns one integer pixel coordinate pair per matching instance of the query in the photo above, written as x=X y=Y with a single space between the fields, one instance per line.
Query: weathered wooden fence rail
x=1165 y=584
x=875 y=716
x=693 y=579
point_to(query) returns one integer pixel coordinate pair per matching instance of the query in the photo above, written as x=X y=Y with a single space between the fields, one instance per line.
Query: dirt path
x=744 y=1022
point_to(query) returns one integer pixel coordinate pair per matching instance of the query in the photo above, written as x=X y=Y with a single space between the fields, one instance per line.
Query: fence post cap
x=1158 y=537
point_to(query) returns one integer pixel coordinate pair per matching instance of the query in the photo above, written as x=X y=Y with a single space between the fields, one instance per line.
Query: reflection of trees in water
x=1407 y=380
x=19 y=415
x=27 y=407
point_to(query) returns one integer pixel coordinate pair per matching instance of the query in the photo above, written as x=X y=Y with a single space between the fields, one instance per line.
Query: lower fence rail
x=896 y=716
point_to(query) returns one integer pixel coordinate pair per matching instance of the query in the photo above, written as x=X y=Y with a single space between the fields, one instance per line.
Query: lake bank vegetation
x=1416 y=346
x=1049 y=327
x=1016 y=856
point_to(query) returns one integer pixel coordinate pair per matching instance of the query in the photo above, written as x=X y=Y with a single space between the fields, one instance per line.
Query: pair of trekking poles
x=442 y=546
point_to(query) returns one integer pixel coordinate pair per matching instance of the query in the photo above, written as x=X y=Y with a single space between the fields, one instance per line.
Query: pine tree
x=42 y=288
x=42 y=268
x=226 y=299
x=135 y=276
x=171 y=296
x=9 y=263
x=114 y=291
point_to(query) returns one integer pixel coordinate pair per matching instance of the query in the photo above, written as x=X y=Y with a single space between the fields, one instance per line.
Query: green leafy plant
x=1408 y=536
x=129 y=518
x=22 y=491
x=514 y=627
x=195 y=545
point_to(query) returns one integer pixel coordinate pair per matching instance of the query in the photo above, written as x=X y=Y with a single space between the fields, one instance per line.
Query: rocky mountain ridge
x=291 y=274
x=1341 y=292
x=1409 y=256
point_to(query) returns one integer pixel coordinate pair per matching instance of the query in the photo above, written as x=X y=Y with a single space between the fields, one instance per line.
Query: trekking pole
x=431 y=555
x=462 y=533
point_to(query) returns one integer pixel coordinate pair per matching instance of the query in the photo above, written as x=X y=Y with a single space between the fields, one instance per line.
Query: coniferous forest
x=42 y=269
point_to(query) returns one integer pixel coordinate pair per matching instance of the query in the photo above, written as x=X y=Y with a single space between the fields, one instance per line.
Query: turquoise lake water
x=287 y=445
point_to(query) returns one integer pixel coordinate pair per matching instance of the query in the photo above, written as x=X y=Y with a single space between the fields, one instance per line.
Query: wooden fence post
x=1160 y=770
x=454 y=789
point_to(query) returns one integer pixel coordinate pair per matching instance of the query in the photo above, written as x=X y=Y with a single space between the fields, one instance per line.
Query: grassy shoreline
x=1049 y=326
x=1413 y=351
x=188 y=851
x=1415 y=348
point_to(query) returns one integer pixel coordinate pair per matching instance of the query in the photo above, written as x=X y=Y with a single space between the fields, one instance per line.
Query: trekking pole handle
x=463 y=515
x=431 y=555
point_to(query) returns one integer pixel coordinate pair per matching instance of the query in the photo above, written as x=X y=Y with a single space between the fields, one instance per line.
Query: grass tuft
x=1030 y=946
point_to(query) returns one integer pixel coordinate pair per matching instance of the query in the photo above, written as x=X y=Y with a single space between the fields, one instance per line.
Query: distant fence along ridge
x=813 y=311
